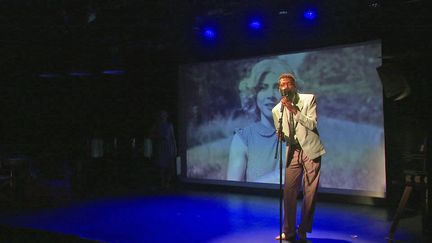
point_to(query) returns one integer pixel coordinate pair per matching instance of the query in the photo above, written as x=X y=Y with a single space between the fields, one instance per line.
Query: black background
x=149 y=39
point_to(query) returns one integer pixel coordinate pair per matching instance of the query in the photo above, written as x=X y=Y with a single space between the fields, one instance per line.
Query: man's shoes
x=301 y=236
x=285 y=237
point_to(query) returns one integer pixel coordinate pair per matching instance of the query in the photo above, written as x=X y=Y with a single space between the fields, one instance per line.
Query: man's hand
x=289 y=105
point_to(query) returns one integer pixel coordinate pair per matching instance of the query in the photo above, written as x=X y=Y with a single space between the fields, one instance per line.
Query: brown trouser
x=300 y=166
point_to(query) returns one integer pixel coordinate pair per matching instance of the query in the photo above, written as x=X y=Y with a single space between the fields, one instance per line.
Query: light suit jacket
x=305 y=124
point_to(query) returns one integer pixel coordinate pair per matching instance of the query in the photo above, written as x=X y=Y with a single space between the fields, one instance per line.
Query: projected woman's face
x=268 y=94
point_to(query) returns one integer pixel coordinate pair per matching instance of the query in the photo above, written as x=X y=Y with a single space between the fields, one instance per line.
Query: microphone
x=289 y=93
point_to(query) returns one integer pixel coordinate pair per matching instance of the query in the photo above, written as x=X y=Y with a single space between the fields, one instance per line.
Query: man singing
x=303 y=155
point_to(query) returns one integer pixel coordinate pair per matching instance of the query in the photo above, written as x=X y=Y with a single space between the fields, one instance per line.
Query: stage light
x=374 y=4
x=310 y=14
x=49 y=75
x=113 y=72
x=209 y=33
x=255 y=25
x=80 y=74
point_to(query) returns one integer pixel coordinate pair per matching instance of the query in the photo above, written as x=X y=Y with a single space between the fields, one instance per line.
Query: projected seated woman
x=253 y=147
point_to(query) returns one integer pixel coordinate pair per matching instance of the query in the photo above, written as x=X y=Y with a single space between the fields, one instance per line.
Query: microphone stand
x=279 y=146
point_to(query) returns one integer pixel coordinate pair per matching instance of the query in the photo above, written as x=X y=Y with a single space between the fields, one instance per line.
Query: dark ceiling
x=71 y=35
x=150 y=38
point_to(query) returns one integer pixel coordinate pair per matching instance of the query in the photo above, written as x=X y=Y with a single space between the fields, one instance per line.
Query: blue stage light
x=310 y=14
x=209 y=33
x=49 y=75
x=113 y=72
x=80 y=74
x=255 y=25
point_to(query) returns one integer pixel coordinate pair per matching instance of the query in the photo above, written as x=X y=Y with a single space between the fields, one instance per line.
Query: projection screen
x=227 y=138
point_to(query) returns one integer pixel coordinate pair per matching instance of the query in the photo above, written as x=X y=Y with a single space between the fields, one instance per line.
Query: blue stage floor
x=204 y=217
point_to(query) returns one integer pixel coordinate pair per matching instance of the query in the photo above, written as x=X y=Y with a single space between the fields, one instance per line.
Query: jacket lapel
x=300 y=104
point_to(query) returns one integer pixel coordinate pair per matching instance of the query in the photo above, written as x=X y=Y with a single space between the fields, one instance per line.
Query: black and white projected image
x=229 y=131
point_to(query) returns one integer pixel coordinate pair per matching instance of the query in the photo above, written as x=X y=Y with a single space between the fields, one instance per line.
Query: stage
x=180 y=215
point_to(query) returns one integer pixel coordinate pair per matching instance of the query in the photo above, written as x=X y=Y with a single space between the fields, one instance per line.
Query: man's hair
x=287 y=75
